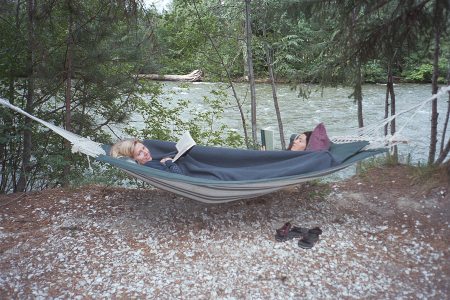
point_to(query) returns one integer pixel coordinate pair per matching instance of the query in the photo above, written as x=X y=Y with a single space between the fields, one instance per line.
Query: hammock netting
x=216 y=175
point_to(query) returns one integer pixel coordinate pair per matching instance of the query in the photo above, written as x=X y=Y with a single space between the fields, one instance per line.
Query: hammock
x=221 y=175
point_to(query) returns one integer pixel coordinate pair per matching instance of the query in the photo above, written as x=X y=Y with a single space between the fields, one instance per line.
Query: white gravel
x=107 y=242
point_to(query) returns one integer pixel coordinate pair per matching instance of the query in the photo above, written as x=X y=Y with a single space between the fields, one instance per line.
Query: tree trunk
x=393 y=127
x=357 y=89
x=195 y=75
x=358 y=93
x=269 y=57
x=447 y=116
x=27 y=139
x=68 y=79
x=444 y=153
x=434 y=83
x=244 y=54
x=6 y=163
x=444 y=150
x=251 y=77
x=386 y=101
x=6 y=149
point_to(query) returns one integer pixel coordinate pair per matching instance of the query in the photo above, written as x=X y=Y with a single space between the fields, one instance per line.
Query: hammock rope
x=79 y=143
x=371 y=133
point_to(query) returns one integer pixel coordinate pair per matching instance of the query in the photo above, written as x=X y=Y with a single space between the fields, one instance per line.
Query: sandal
x=301 y=230
x=283 y=232
x=308 y=241
x=289 y=232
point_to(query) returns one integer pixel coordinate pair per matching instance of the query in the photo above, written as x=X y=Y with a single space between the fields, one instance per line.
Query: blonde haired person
x=136 y=150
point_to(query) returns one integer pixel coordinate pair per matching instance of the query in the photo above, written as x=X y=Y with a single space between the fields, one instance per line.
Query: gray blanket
x=238 y=164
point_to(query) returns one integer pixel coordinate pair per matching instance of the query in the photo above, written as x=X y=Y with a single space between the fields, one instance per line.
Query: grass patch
x=363 y=167
x=315 y=189
x=430 y=176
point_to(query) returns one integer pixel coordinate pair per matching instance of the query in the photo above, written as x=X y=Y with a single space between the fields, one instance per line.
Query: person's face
x=299 y=143
x=141 y=154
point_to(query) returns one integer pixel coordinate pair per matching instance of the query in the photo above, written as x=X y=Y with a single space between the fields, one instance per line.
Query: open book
x=185 y=143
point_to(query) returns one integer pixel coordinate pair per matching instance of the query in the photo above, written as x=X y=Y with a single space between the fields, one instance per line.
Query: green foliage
x=374 y=72
x=422 y=73
x=106 y=54
x=184 y=38
x=166 y=119
x=206 y=125
x=311 y=41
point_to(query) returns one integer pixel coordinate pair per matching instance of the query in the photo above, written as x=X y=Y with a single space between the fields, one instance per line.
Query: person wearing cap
x=299 y=142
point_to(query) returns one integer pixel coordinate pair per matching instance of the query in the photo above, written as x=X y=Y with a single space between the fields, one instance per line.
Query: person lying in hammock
x=136 y=150
x=227 y=164
x=299 y=142
x=315 y=140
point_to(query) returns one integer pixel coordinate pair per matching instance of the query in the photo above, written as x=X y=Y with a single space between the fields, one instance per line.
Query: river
x=330 y=105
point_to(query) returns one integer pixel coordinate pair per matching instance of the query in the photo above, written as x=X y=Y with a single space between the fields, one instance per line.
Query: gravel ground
x=382 y=238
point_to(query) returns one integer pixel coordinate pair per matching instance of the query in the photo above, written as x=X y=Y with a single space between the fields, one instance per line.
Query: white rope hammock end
x=79 y=143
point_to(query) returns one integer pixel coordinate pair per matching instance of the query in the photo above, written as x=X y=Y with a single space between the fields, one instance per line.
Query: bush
x=421 y=74
x=374 y=72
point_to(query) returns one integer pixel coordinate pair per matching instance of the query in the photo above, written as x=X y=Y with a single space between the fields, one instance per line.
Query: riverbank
x=385 y=235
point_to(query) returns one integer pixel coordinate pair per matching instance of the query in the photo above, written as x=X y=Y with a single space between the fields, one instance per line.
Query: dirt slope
x=385 y=235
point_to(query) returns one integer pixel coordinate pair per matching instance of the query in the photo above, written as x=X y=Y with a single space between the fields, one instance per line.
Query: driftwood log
x=195 y=75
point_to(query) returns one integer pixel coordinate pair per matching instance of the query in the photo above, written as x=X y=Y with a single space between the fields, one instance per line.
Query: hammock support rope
x=370 y=133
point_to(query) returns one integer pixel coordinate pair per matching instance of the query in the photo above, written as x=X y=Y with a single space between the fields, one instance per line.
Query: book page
x=185 y=143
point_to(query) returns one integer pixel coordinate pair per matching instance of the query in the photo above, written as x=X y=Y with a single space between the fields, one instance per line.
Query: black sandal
x=308 y=241
x=289 y=232
x=300 y=230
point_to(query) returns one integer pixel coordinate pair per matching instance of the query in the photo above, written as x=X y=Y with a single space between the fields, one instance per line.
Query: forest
x=78 y=64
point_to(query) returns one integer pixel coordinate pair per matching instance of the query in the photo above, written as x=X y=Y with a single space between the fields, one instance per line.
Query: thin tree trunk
x=444 y=151
x=4 y=153
x=68 y=97
x=357 y=89
x=393 y=127
x=27 y=138
x=233 y=89
x=269 y=57
x=7 y=155
x=447 y=166
x=244 y=54
x=447 y=116
x=434 y=83
x=251 y=77
x=386 y=101
x=358 y=94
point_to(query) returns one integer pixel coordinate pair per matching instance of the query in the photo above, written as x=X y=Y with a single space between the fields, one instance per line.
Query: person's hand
x=163 y=161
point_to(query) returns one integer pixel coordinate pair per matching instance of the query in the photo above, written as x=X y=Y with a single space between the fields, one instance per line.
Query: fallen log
x=195 y=75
